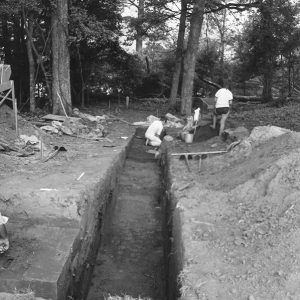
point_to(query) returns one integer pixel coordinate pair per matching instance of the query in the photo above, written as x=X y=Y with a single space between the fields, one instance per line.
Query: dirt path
x=130 y=260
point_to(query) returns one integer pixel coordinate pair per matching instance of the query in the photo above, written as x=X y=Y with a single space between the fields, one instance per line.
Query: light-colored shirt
x=155 y=128
x=223 y=98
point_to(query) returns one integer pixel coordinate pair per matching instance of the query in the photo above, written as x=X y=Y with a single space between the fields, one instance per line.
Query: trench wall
x=174 y=250
x=61 y=229
x=78 y=270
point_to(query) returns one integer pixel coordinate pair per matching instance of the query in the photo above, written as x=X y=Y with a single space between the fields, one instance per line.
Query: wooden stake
x=187 y=163
x=14 y=106
x=62 y=104
x=42 y=147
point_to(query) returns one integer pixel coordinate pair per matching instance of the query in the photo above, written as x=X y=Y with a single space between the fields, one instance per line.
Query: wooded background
x=77 y=51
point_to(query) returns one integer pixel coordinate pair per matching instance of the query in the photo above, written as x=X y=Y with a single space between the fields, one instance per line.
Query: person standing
x=154 y=132
x=223 y=101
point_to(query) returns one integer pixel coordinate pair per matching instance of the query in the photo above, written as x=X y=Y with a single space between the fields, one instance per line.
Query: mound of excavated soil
x=240 y=222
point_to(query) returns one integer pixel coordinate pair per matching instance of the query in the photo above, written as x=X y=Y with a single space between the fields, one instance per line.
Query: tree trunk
x=267 y=85
x=40 y=63
x=61 y=89
x=139 y=32
x=190 y=57
x=222 y=48
x=179 y=54
x=29 y=31
x=6 y=41
x=290 y=81
x=147 y=64
x=19 y=61
x=270 y=53
x=82 y=79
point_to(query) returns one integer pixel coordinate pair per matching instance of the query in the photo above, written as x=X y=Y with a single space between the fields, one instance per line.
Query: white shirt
x=155 y=128
x=223 y=97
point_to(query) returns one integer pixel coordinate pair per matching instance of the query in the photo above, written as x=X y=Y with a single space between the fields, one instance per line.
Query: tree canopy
x=179 y=47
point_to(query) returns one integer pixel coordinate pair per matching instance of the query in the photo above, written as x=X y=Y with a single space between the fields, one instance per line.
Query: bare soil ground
x=241 y=216
x=241 y=224
x=77 y=148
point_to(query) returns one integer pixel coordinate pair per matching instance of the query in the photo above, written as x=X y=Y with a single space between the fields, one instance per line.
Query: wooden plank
x=4 y=97
x=5 y=86
x=58 y=118
x=5 y=72
x=199 y=153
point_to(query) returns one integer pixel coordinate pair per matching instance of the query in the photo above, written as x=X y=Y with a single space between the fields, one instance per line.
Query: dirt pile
x=241 y=226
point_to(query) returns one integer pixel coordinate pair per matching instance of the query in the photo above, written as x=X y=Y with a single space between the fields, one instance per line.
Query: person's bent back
x=153 y=132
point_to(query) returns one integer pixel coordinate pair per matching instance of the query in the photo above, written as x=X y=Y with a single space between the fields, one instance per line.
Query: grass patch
x=287 y=117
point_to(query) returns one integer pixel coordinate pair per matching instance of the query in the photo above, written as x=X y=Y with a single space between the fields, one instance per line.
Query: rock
x=172 y=118
x=49 y=128
x=168 y=138
x=66 y=130
x=235 y=134
x=243 y=149
x=279 y=273
x=32 y=140
x=261 y=134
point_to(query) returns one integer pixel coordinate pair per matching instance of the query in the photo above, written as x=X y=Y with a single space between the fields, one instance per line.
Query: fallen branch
x=39 y=123
x=91 y=139
x=186 y=186
x=54 y=153
x=7 y=147
x=214 y=84
x=119 y=119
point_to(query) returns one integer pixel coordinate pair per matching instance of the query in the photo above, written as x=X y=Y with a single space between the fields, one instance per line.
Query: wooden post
x=14 y=106
x=127 y=102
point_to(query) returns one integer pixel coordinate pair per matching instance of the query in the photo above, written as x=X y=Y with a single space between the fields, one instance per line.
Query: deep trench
x=132 y=256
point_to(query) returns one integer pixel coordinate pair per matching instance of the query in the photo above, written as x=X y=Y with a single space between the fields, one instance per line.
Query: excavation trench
x=131 y=259
x=116 y=233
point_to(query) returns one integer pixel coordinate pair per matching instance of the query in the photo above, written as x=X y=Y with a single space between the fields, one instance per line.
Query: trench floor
x=131 y=256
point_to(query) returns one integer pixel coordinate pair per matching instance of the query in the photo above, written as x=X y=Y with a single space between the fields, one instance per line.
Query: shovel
x=56 y=149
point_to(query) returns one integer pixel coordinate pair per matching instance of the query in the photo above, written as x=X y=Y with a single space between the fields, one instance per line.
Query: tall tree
x=29 y=29
x=219 y=19
x=94 y=35
x=179 y=53
x=149 y=23
x=139 y=31
x=61 y=88
x=268 y=32
x=189 y=61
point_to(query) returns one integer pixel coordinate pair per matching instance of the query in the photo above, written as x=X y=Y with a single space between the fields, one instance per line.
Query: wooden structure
x=198 y=155
x=7 y=90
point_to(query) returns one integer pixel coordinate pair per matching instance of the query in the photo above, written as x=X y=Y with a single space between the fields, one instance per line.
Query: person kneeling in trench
x=155 y=132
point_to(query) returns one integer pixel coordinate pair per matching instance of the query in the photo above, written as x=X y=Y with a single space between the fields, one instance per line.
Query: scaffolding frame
x=7 y=92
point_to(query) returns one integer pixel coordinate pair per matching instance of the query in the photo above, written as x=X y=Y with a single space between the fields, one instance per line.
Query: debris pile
x=84 y=125
x=22 y=147
x=244 y=143
x=38 y=132
x=4 y=242
x=172 y=121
